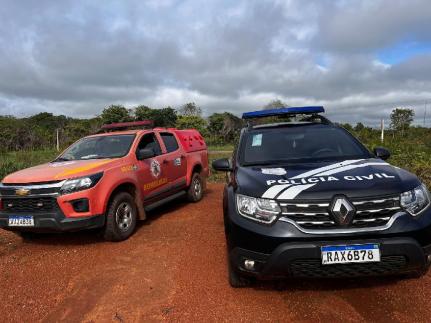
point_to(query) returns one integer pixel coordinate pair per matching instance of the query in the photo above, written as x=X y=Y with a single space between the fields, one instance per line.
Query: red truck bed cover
x=191 y=140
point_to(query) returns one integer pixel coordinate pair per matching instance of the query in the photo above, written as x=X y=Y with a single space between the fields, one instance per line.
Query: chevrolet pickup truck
x=108 y=181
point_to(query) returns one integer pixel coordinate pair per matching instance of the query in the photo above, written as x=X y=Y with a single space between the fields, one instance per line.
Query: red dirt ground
x=174 y=269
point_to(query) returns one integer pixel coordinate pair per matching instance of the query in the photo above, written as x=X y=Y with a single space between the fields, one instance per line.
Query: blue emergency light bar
x=283 y=112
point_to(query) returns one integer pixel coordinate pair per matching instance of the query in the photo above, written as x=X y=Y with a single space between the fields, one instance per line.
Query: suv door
x=152 y=173
x=175 y=160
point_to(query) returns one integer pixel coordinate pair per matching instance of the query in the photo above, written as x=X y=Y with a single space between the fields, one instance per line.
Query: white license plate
x=21 y=221
x=350 y=254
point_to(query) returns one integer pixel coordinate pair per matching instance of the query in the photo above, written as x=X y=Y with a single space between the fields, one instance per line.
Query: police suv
x=307 y=199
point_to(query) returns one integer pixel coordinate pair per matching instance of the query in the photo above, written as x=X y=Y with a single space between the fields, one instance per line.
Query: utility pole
x=382 y=127
x=58 y=140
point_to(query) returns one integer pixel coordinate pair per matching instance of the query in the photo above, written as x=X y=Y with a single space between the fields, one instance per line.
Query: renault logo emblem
x=22 y=192
x=342 y=210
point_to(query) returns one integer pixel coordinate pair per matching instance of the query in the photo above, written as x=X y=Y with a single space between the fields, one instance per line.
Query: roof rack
x=144 y=124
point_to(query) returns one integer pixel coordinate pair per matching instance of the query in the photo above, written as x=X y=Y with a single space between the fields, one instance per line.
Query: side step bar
x=163 y=201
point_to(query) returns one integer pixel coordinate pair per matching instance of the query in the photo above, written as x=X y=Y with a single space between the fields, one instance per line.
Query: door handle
x=165 y=161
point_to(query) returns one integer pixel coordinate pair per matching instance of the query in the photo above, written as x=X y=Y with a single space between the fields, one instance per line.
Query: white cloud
x=76 y=57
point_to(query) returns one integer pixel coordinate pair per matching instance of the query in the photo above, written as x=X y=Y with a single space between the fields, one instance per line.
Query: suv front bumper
x=303 y=259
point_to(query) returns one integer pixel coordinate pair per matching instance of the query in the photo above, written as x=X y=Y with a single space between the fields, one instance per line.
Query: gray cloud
x=75 y=57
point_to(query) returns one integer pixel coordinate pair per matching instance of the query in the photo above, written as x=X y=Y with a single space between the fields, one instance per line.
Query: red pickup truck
x=108 y=181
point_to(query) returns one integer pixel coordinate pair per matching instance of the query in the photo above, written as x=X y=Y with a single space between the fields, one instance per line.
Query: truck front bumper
x=51 y=222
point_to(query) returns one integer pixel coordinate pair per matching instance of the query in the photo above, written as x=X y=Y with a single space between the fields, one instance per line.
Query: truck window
x=169 y=141
x=149 y=141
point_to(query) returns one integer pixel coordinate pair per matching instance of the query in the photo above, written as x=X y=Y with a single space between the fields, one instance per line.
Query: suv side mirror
x=222 y=165
x=382 y=153
x=142 y=154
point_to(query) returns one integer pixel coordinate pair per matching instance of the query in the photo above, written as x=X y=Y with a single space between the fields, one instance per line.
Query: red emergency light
x=128 y=125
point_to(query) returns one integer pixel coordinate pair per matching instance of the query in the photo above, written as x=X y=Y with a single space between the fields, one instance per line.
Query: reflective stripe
x=345 y=168
x=325 y=168
x=273 y=191
x=293 y=191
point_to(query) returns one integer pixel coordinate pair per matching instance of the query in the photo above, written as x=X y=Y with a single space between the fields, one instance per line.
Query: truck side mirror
x=222 y=165
x=382 y=153
x=142 y=154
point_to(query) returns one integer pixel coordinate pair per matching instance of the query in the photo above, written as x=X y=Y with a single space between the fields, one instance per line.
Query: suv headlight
x=257 y=209
x=416 y=200
x=81 y=183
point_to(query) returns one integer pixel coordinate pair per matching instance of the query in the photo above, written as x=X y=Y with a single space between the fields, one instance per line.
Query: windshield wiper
x=61 y=159
x=266 y=163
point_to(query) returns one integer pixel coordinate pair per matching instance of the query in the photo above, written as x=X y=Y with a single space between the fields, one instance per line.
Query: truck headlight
x=257 y=209
x=416 y=200
x=81 y=183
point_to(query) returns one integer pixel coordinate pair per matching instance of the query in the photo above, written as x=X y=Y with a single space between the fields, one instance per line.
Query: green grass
x=13 y=161
x=228 y=147
x=412 y=152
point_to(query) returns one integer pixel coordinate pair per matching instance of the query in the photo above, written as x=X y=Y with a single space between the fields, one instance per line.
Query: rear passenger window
x=170 y=141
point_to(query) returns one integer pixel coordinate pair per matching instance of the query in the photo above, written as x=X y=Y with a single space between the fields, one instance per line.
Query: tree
x=192 y=122
x=401 y=119
x=115 y=113
x=224 y=126
x=359 y=127
x=165 y=117
x=275 y=104
x=190 y=109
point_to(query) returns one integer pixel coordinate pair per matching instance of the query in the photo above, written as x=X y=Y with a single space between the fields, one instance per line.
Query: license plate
x=350 y=254
x=21 y=221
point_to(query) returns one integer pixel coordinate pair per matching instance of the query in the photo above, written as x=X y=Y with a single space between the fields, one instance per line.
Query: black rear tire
x=236 y=280
x=195 y=191
x=121 y=217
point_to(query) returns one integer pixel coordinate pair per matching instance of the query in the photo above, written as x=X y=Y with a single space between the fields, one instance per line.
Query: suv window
x=149 y=141
x=297 y=144
x=170 y=141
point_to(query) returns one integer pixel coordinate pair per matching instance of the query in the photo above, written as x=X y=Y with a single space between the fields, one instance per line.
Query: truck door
x=152 y=173
x=175 y=160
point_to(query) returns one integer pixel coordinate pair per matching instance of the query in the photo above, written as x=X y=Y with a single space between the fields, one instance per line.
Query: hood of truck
x=322 y=181
x=57 y=171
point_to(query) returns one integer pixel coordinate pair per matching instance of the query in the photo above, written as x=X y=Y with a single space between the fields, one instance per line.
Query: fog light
x=249 y=264
x=80 y=205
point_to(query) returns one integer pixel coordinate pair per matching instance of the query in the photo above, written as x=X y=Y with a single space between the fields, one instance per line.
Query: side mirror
x=142 y=154
x=222 y=165
x=382 y=153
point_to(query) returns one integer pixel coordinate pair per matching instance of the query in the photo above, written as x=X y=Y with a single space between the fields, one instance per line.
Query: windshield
x=299 y=144
x=112 y=146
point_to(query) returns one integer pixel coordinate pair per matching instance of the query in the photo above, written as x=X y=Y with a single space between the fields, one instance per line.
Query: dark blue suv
x=306 y=199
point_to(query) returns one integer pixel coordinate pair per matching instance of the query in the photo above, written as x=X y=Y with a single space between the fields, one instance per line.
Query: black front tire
x=121 y=217
x=236 y=280
x=195 y=191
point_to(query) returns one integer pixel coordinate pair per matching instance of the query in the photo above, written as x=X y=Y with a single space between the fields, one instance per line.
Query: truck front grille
x=41 y=204
x=316 y=214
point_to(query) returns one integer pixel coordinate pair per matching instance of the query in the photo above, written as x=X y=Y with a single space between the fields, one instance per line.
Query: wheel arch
x=130 y=188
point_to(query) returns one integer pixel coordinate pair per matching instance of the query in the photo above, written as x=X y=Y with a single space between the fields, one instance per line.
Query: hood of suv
x=321 y=181
x=57 y=171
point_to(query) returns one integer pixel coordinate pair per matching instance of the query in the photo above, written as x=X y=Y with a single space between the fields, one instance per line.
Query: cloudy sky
x=358 y=58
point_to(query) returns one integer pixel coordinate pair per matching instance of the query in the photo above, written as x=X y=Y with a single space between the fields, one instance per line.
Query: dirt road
x=174 y=269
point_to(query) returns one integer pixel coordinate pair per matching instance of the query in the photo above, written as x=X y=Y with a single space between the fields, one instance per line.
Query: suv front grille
x=41 y=204
x=370 y=212
x=314 y=268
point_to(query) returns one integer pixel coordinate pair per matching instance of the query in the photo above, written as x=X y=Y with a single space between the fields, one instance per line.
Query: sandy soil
x=174 y=269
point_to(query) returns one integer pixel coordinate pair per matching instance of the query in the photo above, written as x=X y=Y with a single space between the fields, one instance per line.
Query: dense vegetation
x=29 y=141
